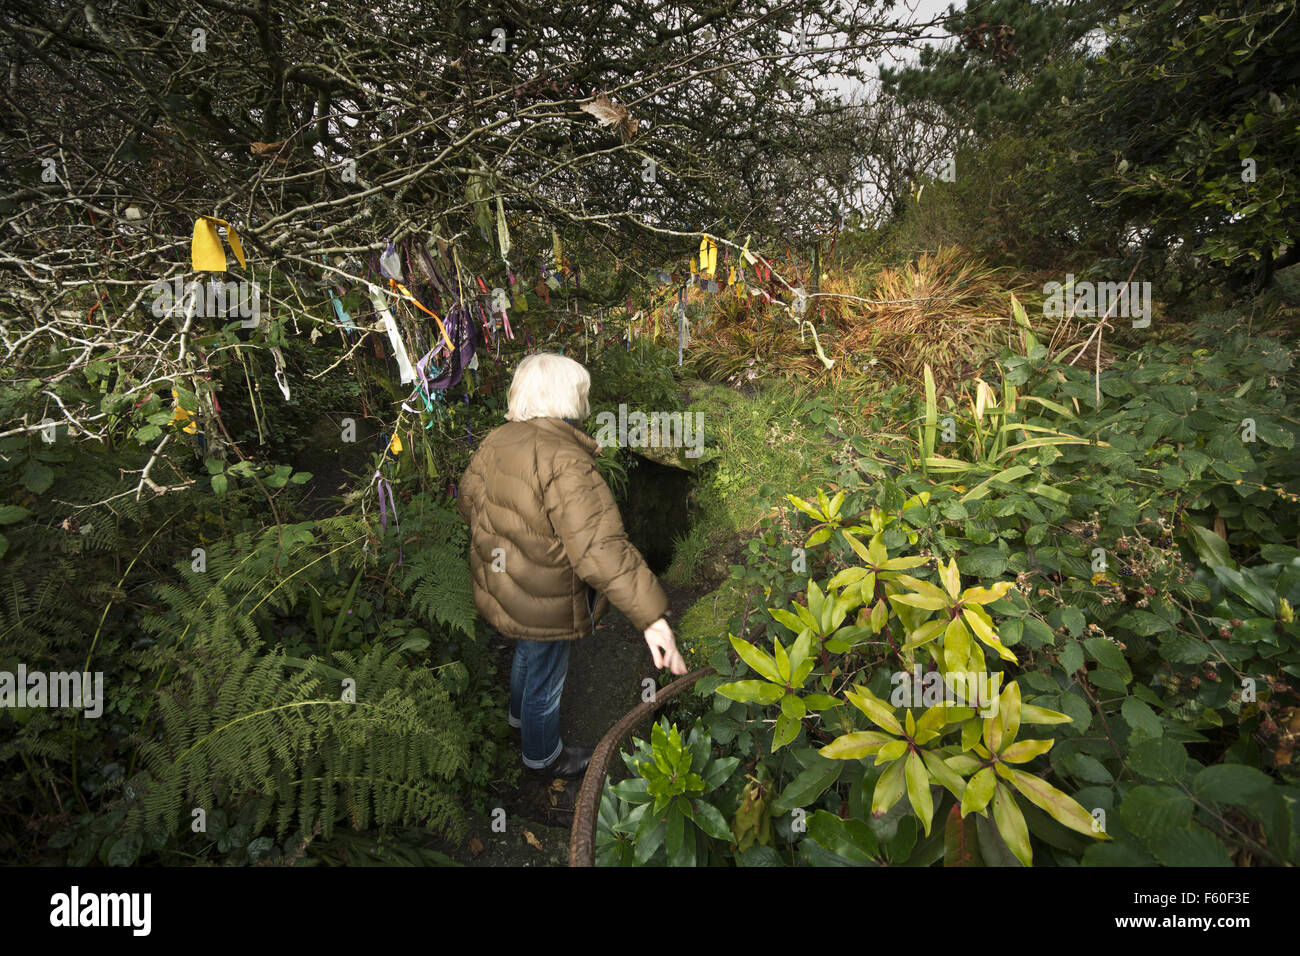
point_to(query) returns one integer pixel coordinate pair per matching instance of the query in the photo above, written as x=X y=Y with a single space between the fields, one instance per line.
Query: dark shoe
x=569 y=765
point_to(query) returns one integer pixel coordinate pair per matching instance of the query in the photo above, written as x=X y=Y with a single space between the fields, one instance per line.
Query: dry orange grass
x=945 y=309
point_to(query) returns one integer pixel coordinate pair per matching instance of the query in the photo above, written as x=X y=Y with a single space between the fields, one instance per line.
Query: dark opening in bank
x=657 y=507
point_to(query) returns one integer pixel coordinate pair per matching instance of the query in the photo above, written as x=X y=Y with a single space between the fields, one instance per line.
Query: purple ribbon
x=384 y=485
x=460 y=328
x=422 y=382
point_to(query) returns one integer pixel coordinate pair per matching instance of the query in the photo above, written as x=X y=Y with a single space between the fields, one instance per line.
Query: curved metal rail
x=582 y=839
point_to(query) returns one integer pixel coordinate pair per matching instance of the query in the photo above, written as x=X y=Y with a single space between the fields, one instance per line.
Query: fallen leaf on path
x=475 y=846
x=533 y=842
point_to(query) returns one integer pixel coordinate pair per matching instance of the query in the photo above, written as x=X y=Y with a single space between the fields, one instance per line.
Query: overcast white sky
x=915 y=11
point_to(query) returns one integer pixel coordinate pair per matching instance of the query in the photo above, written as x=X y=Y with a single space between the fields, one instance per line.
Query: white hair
x=547 y=385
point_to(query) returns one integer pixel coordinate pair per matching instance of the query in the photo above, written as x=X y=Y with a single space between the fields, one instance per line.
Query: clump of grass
x=688 y=552
x=759 y=442
x=945 y=309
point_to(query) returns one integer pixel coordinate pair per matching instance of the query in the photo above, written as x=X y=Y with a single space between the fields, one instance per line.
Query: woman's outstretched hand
x=663 y=648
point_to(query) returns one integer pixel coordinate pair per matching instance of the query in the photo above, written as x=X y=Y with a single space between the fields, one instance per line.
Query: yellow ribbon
x=708 y=256
x=182 y=415
x=206 y=253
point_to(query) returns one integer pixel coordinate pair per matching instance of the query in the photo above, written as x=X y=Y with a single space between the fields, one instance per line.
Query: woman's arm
x=585 y=516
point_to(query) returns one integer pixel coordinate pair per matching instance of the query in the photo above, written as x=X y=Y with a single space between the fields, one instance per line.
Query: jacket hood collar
x=562 y=429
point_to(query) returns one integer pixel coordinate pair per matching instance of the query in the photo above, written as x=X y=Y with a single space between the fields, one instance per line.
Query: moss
x=703 y=629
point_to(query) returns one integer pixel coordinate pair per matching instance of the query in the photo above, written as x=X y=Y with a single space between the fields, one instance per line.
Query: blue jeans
x=536 y=683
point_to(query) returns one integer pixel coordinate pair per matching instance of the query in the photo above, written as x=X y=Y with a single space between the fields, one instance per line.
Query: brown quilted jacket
x=544 y=531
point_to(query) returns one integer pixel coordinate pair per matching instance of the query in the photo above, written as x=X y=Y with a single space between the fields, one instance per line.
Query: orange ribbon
x=441 y=328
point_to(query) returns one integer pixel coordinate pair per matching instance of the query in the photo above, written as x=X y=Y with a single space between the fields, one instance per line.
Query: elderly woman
x=548 y=552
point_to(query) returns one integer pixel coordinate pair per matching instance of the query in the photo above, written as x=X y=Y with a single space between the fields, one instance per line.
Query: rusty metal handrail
x=582 y=838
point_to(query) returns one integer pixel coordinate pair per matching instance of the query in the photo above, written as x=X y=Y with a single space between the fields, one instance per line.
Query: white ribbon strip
x=394 y=337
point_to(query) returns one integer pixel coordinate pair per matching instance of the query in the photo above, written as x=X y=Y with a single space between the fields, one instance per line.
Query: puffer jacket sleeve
x=585 y=515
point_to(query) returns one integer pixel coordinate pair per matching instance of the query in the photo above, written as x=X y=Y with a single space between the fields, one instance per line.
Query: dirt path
x=604 y=682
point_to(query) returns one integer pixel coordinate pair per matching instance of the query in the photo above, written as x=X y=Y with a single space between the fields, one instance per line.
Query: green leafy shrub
x=661 y=813
x=1162 y=654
